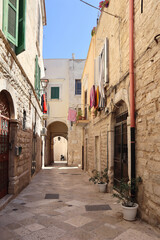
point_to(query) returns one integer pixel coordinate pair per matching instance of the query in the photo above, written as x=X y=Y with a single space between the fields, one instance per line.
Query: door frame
x=121 y=124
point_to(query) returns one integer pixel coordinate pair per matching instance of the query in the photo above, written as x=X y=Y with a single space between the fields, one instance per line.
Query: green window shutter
x=39 y=80
x=10 y=20
x=54 y=92
x=21 y=27
x=37 y=77
x=36 y=73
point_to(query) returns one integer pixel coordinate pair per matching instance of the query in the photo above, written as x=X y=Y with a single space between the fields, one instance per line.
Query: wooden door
x=120 y=154
x=4 y=143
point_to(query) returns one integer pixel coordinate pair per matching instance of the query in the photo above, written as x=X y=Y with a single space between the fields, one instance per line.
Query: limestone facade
x=62 y=75
x=101 y=139
x=17 y=87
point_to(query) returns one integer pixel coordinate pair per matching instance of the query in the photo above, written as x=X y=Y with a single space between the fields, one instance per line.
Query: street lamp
x=44 y=83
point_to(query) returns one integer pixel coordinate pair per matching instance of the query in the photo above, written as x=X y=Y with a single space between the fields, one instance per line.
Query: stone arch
x=58 y=128
x=120 y=106
x=54 y=129
x=6 y=95
x=8 y=126
x=122 y=95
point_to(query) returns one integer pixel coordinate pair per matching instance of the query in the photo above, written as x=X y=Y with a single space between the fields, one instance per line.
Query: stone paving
x=52 y=207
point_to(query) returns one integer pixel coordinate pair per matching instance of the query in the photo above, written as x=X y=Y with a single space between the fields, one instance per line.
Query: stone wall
x=147 y=134
x=147 y=98
x=74 y=146
x=17 y=87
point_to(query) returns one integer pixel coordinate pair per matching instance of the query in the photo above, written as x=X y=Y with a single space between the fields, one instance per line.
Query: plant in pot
x=103 y=4
x=79 y=115
x=93 y=31
x=129 y=206
x=100 y=178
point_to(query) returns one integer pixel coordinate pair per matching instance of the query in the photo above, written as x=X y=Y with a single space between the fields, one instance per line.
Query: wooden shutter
x=106 y=62
x=10 y=20
x=54 y=92
x=21 y=27
x=39 y=80
x=37 y=77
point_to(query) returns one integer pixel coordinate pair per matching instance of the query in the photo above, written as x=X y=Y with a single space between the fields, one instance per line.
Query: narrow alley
x=61 y=204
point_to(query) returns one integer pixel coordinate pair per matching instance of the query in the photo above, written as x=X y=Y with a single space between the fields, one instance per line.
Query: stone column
x=43 y=148
x=13 y=179
x=110 y=153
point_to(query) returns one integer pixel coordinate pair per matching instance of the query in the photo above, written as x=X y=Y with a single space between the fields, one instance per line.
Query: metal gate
x=120 y=154
x=4 y=155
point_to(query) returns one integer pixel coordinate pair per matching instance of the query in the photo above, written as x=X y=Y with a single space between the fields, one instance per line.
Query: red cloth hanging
x=92 y=97
x=44 y=104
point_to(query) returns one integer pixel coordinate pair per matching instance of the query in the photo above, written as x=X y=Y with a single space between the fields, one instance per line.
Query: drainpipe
x=131 y=75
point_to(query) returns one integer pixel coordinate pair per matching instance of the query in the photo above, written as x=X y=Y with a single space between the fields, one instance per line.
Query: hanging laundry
x=97 y=97
x=44 y=104
x=92 y=97
x=72 y=115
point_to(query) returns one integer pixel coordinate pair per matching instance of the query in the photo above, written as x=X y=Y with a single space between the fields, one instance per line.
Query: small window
x=24 y=119
x=54 y=92
x=141 y=6
x=77 y=87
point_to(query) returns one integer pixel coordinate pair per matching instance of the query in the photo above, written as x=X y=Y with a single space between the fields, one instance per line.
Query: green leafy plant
x=79 y=115
x=93 y=31
x=99 y=177
x=126 y=189
x=103 y=4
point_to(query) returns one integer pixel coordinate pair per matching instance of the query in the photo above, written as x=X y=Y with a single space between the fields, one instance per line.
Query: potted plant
x=103 y=4
x=79 y=115
x=129 y=206
x=93 y=31
x=101 y=178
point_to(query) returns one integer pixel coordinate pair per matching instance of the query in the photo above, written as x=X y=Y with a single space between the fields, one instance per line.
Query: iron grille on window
x=78 y=87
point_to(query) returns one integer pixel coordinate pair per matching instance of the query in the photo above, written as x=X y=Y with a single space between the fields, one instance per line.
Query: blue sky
x=68 y=30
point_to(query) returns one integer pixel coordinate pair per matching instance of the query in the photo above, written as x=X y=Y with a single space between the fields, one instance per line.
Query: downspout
x=132 y=100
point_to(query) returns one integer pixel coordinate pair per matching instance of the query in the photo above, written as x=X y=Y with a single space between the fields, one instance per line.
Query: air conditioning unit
x=44 y=131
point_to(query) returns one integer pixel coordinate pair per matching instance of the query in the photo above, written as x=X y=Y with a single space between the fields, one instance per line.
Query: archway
x=60 y=150
x=55 y=130
x=6 y=112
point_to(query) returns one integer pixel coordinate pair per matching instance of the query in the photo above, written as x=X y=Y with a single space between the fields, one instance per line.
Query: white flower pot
x=129 y=213
x=102 y=187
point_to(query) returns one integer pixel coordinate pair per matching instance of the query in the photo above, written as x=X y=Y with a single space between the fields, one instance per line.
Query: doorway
x=60 y=149
x=120 y=150
x=4 y=144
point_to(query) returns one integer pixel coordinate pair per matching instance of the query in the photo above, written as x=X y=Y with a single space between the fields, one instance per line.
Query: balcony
x=82 y=115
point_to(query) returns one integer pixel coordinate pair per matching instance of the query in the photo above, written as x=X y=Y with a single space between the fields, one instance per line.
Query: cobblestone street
x=54 y=206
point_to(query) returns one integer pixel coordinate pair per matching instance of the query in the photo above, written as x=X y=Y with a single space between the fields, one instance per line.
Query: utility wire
x=100 y=9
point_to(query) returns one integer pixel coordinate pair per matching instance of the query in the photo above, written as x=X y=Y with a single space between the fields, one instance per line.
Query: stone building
x=63 y=93
x=122 y=133
x=21 y=66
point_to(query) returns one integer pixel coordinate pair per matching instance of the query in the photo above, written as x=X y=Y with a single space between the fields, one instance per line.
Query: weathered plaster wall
x=62 y=73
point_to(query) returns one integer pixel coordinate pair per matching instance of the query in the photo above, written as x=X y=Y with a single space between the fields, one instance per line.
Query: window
x=37 y=77
x=14 y=23
x=54 y=92
x=77 y=87
x=24 y=120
